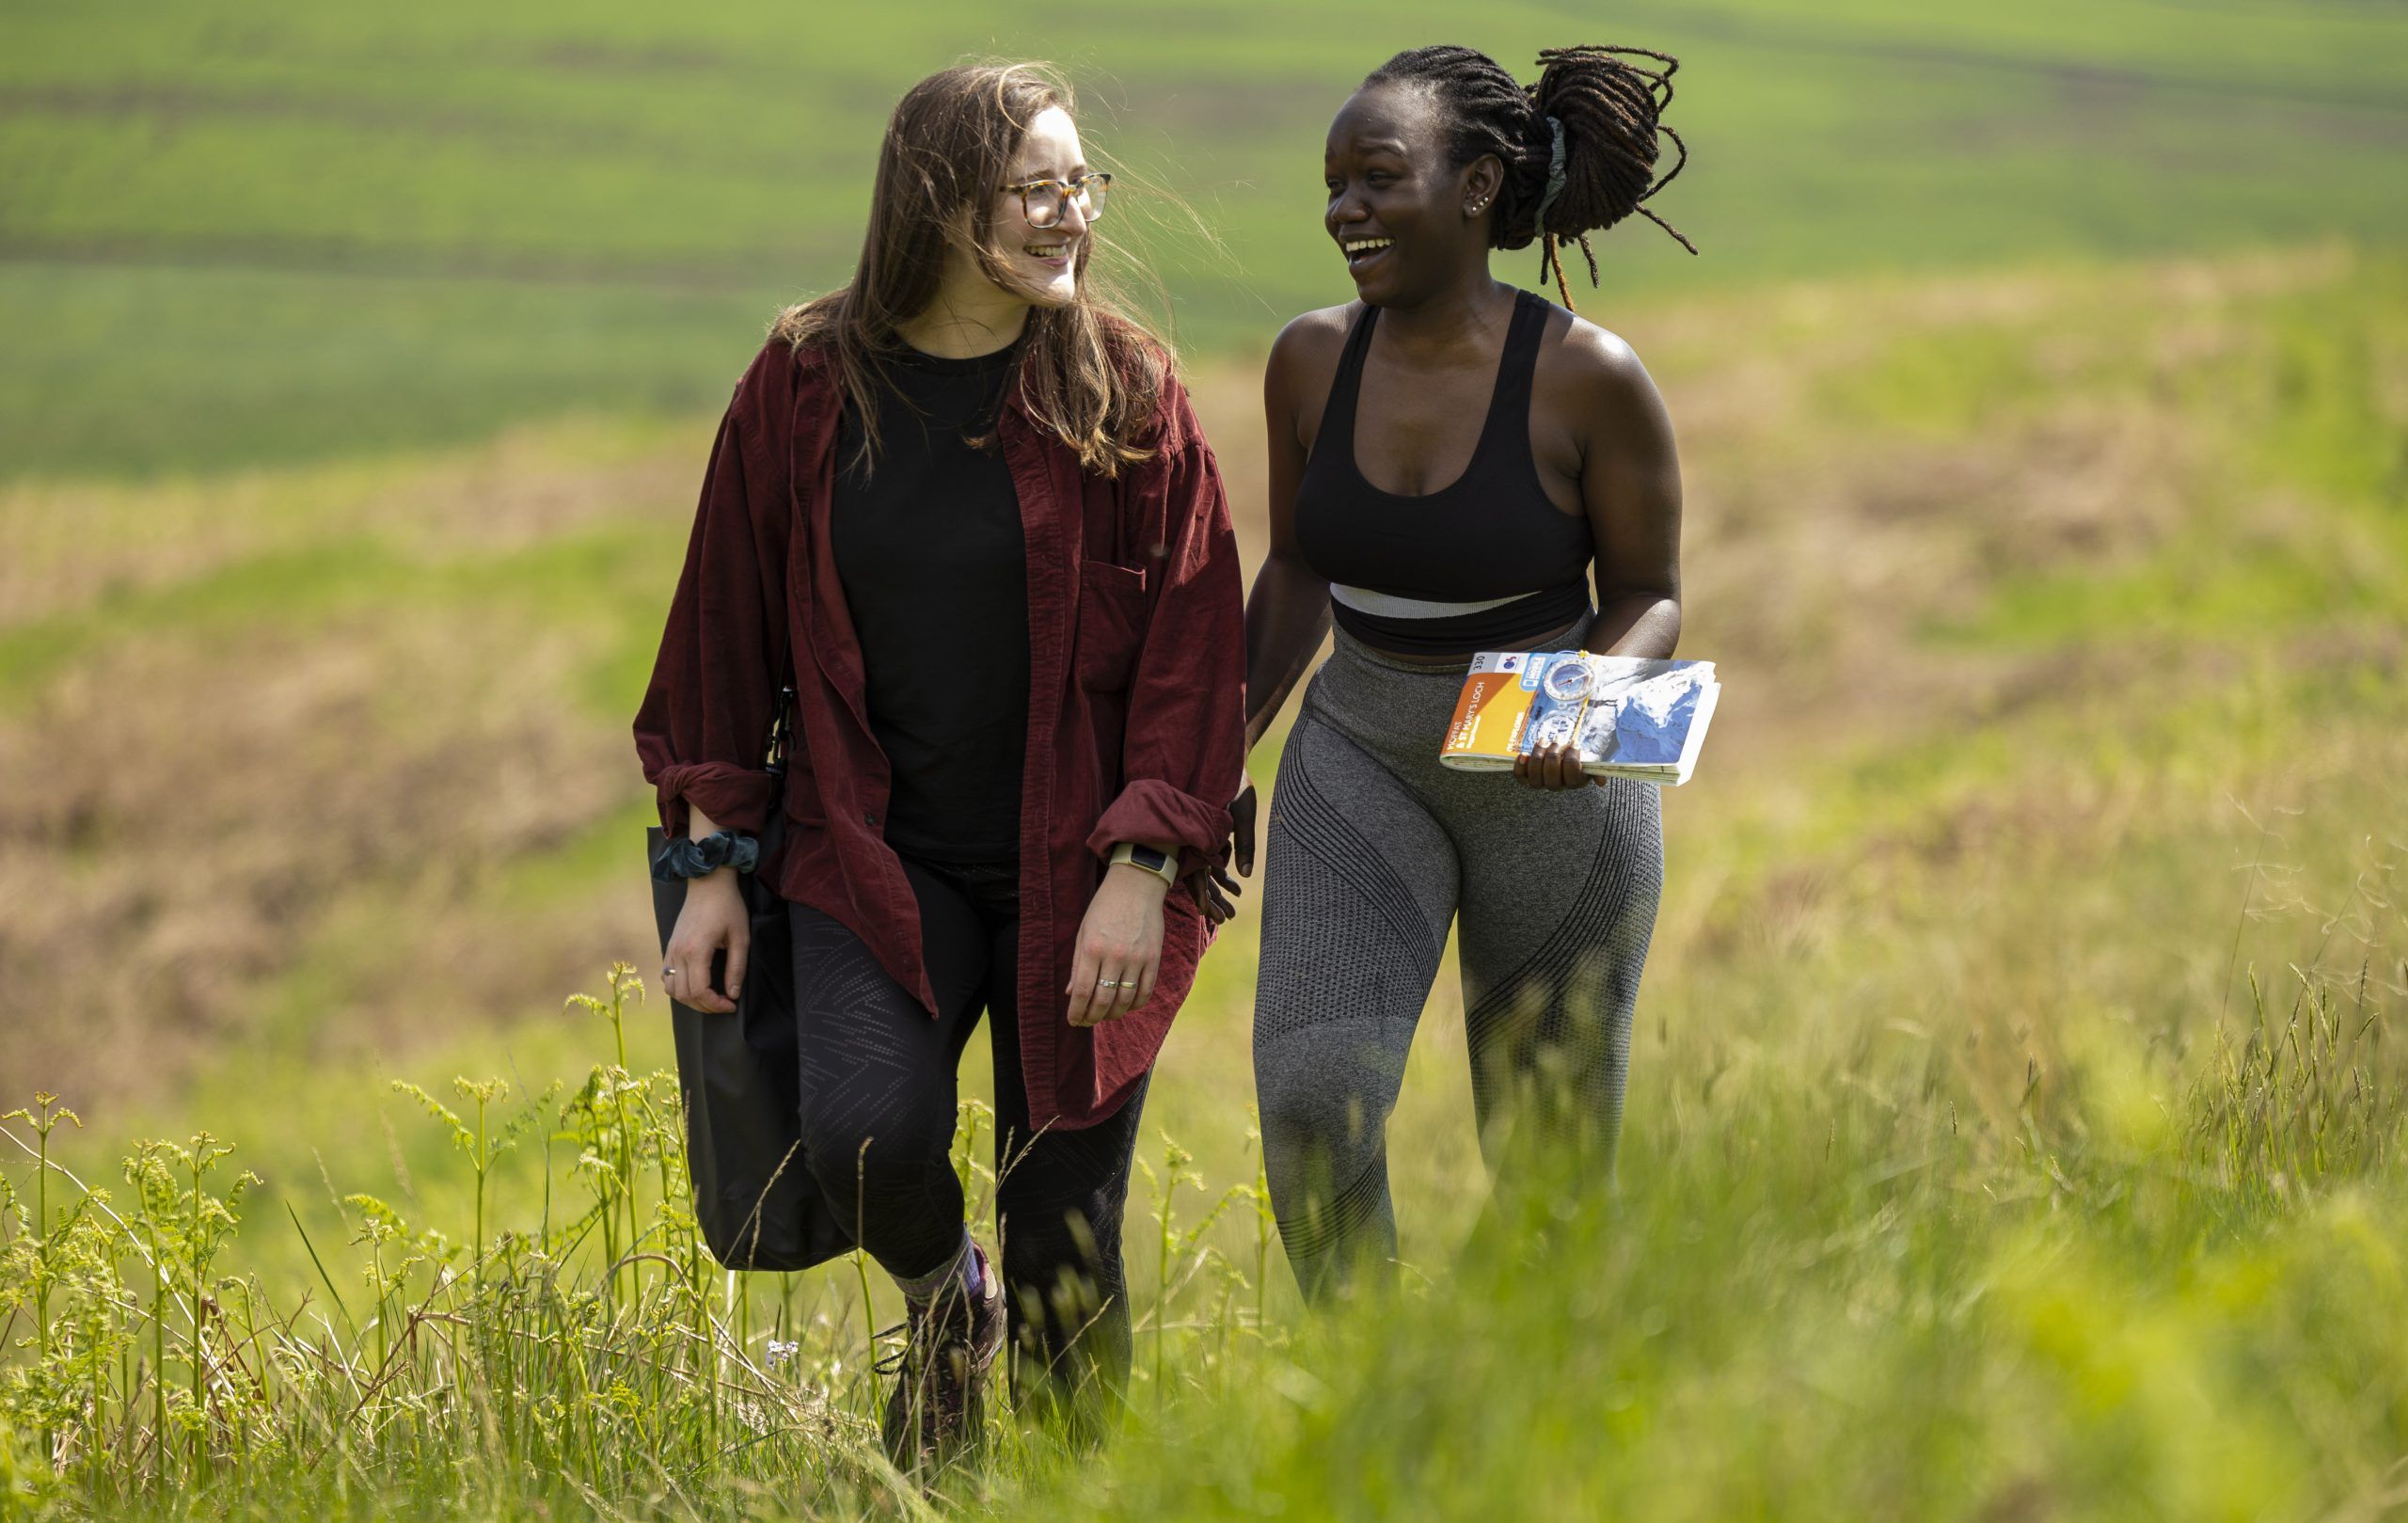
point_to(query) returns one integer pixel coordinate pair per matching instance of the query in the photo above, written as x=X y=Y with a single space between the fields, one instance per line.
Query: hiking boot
x=938 y=1404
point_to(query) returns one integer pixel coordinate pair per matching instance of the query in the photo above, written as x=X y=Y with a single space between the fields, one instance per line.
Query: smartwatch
x=1162 y=864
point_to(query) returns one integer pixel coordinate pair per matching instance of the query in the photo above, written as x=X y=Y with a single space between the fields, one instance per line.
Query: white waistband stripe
x=1381 y=605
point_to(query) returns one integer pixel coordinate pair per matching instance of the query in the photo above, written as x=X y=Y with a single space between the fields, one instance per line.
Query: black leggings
x=878 y=1102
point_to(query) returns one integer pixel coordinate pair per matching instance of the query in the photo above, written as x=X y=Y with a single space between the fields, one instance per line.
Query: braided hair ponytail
x=1580 y=147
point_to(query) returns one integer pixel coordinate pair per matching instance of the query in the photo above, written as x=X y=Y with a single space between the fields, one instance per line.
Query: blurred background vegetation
x=2043 y=394
x=236 y=233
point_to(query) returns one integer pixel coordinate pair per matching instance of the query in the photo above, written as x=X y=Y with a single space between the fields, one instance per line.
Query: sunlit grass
x=1848 y=1273
x=2029 y=1141
x=2015 y=1110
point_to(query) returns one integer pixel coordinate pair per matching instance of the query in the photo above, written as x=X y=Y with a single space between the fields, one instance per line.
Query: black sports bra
x=1479 y=564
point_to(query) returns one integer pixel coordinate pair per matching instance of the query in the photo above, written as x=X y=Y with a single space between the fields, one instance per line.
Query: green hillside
x=2016 y=1102
x=1940 y=543
x=2018 y=1096
x=234 y=233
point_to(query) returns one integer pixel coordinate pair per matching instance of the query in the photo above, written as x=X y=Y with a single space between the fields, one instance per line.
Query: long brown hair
x=1087 y=370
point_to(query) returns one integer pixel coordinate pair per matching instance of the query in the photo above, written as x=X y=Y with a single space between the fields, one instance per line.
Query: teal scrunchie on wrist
x=688 y=858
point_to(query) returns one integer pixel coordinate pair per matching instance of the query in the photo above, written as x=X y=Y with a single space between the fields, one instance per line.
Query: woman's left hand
x=1556 y=769
x=1120 y=948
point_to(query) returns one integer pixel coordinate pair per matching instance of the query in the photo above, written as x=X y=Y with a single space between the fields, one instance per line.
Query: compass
x=1567 y=681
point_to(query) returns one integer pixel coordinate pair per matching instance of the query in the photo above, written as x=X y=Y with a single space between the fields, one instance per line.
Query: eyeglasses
x=1042 y=201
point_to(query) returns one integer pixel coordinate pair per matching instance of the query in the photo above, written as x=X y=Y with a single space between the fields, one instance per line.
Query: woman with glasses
x=1455 y=466
x=962 y=507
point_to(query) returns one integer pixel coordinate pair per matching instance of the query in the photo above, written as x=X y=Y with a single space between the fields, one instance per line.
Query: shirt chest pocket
x=1112 y=622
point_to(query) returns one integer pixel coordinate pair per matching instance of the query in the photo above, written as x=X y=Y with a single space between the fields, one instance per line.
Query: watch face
x=1148 y=858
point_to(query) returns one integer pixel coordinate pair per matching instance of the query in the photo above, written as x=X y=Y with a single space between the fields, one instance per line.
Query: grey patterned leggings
x=1374 y=850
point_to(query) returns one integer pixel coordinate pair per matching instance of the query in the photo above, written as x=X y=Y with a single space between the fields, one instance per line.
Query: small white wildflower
x=781 y=1354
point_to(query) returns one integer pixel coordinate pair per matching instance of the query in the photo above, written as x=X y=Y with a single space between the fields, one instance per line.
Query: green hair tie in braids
x=1554 y=188
x=1603 y=108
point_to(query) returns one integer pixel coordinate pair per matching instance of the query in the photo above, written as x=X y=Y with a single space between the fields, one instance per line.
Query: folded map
x=1630 y=718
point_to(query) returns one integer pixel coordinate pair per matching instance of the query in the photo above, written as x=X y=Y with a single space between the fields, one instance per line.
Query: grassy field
x=2016 y=1102
x=234 y=235
x=2016 y=1109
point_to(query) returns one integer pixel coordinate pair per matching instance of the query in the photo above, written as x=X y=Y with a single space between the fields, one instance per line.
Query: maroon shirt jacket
x=1135 y=715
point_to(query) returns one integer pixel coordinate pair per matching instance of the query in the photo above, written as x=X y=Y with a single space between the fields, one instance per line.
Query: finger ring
x=1108 y=983
x=667 y=971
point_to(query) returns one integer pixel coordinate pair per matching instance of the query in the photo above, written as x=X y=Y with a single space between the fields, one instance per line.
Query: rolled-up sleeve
x=1183 y=752
x=702 y=731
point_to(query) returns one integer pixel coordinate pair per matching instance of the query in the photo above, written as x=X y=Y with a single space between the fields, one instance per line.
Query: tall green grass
x=2029 y=1146
x=544 y=1360
x=2141 y=1288
x=2014 y=1105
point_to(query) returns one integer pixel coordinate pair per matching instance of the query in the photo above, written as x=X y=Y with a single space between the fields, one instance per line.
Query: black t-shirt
x=935 y=569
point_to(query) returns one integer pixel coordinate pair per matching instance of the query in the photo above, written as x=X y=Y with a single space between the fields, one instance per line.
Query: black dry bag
x=758 y=1205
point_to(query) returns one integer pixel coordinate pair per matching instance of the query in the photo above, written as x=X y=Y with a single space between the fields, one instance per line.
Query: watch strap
x=1161 y=866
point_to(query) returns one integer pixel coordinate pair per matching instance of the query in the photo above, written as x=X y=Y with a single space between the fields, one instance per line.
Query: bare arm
x=1630 y=483
x=1287 y=615
x=1630 y=487
x=713 y=921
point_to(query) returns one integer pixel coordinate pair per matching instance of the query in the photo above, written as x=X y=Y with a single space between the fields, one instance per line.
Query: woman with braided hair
x=1452 y=460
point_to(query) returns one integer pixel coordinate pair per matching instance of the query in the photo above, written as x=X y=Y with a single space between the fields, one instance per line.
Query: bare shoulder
x=1306 y=351
x=1593 y=363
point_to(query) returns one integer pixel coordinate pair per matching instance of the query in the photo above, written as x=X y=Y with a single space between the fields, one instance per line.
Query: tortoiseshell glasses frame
x=1042 y=200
